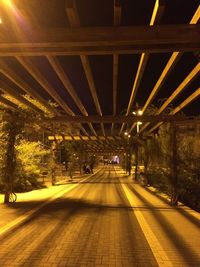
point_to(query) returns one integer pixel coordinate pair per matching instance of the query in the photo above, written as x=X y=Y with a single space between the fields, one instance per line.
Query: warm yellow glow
x=76 y=137
x=8 y=3
x=68 y=137
x=50 y=137
x=140 y=112
x=139 y=122
x=58 y=137
x=129 y=136
x=1 y=20
x=125 y=133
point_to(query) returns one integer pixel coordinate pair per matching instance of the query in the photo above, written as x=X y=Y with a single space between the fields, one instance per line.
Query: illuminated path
x=104 y=221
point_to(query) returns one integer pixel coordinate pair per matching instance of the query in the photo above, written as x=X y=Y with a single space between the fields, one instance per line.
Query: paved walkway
x=96 y=223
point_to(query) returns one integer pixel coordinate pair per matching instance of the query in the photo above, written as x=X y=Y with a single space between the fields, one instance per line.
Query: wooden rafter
x=179 y=89
x=35 y=73
x=47 y=86
x=155 y=18
x=102 y=40
x=57 y=68
x=73 y=17
x=68 y=86
x=8 y=103
x=115 y=119
x=169 y=66
x=117 y=20
x=7 y=89
x=12 y=76
x=192 y=97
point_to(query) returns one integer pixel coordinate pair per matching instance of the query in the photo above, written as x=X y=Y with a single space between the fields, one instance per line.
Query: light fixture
x=129 y=136
x=125 y=133
x=1 y=20
x=139 y=112
x=134 y=113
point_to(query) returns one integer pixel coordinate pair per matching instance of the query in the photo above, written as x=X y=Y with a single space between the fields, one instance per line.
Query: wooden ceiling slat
x=181 y=87
x=12 y=76
x=155 y=18
x=103 y=40
x=195 y=71
x=8 y=103
x=34 y=72
x=47 y=86
x=7 y=89
x=169 y=66
x=117 y=21
x=66 y=82
x=115 y=119
x=191 y=98
x=69 y=87
x=74 y=21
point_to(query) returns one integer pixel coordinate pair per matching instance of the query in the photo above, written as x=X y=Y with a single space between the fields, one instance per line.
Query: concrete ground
x=101 y=220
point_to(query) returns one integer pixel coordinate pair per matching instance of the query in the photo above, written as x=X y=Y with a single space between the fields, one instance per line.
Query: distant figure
x=91 y=167
x=87 y=168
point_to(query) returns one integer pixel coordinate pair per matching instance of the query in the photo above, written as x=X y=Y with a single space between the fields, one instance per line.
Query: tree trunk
x=10 y=129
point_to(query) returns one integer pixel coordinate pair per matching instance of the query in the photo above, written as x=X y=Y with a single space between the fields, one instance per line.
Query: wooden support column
x=53 y=162
x=174 y=165
x=136 y=163
x=117 y=20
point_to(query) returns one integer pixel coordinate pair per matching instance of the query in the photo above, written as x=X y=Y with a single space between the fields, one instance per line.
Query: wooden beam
x=74 y=21
x=12 y=76
x=8 y=103
x=72 y=13
x=103 y=40
x=69 y=87
x=66 y=82
x=155 y=18
x=187 y=101
x=158 y=11
x=179 y=89
x=117 y=12
x=115 y=119
x=47 y=86
x=34 y=72
x=7 y=89
x=169 y=66
x=117 y=21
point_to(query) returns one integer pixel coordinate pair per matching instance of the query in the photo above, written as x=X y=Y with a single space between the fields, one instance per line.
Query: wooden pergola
x=24 y=44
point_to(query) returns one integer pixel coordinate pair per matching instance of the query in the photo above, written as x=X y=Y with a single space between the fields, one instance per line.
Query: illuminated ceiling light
x=140 y=112
x=125 y=133
x=134 y=113
x=1 y=20
x=129 y=136
x=139 y=122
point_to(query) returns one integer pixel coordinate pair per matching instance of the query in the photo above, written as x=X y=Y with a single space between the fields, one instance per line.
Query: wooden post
x=136 y=163
x=53 y=162
x=174 y=163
